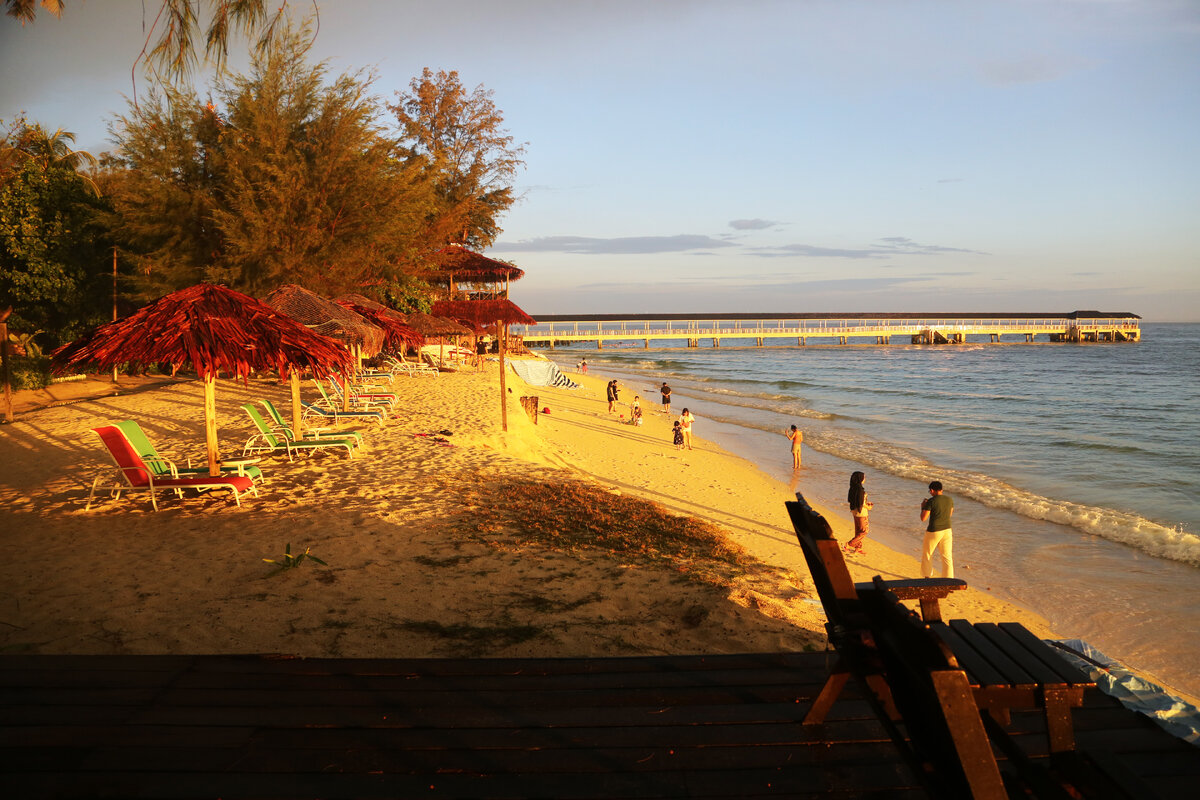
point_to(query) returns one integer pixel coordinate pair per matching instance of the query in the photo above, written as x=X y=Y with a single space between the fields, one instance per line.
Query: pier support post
x=716 y=342
x=599 y=344
x=801 y=341
x=841 y=340
x=693 y=342
x=645 y=344
x=758 y=342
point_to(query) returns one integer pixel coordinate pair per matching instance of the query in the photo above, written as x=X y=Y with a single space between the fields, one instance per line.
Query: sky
x=776 y=156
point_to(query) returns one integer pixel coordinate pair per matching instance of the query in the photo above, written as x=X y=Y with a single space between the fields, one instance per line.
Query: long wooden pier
x=760 y=329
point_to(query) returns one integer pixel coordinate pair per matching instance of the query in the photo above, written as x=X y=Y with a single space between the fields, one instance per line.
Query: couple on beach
x=936 y=511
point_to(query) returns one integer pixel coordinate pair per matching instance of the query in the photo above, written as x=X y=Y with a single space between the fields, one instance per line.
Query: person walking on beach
x=583 y=366
x=612 y=396
x=666 y=395
x=677 y=436
x=685 y=424
x=797 y=438
x=937 y=509
x=859 y=506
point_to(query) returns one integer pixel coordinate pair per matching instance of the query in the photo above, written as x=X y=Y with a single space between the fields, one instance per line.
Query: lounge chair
x=337 y=416
x=412 y=370
x=310 y=434
x=363 y=399
x=164 y=467
x=266 y=440
x=331 y=404
x=133 y=474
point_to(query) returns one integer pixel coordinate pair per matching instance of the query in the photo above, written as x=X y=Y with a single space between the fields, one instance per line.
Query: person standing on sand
x=666 y=395
x=635 y=408
x=583 y=366
x=612 y=396
x=937 y=509
x=797 y=438
x=677 y=436
x=857 y=498
x=685 y=424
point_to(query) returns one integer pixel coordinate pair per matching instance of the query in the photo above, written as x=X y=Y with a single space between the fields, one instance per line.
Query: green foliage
x=459 y=139
x=290 y=561
x=29 y=372
x=407 y=294
x=52 y=248
x=286 y=176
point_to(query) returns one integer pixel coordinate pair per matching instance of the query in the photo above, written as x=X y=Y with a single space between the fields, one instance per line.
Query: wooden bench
x=846 y=625
x=954 y=685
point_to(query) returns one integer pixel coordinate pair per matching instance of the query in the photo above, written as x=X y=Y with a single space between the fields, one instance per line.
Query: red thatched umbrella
x=328 y=318
x=457 y=263
x=213 y=328
x=481 y=313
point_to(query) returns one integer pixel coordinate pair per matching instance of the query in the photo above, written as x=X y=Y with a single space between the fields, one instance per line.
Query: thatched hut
x=215 y=329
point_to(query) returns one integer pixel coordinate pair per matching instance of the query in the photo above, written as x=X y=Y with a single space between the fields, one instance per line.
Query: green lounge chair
x=164 y=467
x=337 y=415
x=336 y=405
x=266 y=440
x=310 y=434
x=363 y=399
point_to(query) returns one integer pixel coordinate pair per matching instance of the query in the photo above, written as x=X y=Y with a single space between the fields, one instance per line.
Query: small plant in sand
x=290 y=561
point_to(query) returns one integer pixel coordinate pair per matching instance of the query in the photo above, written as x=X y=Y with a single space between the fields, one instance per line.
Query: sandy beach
x=423 y=554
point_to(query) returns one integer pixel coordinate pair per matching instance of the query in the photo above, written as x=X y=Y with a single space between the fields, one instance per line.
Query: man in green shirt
x=937 y=510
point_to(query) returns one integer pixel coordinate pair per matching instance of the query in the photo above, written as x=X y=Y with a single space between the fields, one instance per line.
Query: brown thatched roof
x=481 y=313
x=398 y=335
x=213 y=329
x=430 y=325
x=327 y=317
x=461 y=264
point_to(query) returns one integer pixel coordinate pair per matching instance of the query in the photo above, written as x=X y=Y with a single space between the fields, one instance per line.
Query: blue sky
x=763 y=155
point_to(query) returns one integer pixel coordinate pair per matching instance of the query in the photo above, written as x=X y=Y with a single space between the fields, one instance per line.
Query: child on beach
x=685 y=424
x=796 y=437
x=677 y=434
x=857 y=498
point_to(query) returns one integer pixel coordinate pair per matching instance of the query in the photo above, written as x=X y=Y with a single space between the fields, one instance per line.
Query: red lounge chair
x=132 y=473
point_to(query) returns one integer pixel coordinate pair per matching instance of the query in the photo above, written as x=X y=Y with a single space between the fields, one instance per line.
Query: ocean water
x=1074 y=467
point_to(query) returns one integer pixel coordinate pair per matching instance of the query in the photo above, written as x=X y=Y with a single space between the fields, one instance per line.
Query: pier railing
x=913 y=329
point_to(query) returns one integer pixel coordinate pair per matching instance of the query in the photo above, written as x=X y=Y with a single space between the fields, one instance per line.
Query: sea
x=1075 y=468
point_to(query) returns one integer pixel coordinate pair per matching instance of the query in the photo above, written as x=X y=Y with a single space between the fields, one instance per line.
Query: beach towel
x=542 y=373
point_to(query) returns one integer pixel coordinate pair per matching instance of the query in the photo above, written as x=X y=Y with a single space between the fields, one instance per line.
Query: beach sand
x=416 y=565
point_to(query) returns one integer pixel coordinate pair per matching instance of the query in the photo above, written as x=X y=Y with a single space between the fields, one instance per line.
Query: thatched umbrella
x=398 y=335
x=328 y=319
x=481 y=313
x=213 y=328
x=457 y=263
x=429 y=325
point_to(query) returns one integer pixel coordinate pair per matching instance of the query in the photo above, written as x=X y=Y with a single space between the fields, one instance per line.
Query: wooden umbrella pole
x=503 y=331
x=210 y=423
x=296 y=409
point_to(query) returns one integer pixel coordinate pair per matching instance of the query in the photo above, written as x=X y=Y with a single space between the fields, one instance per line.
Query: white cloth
x=541 y=373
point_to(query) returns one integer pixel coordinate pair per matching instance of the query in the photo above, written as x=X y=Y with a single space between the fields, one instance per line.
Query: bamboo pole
x=503 y=334
x=210 y=424
x=114 y=379
x=296 y=408
x=4 y=365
